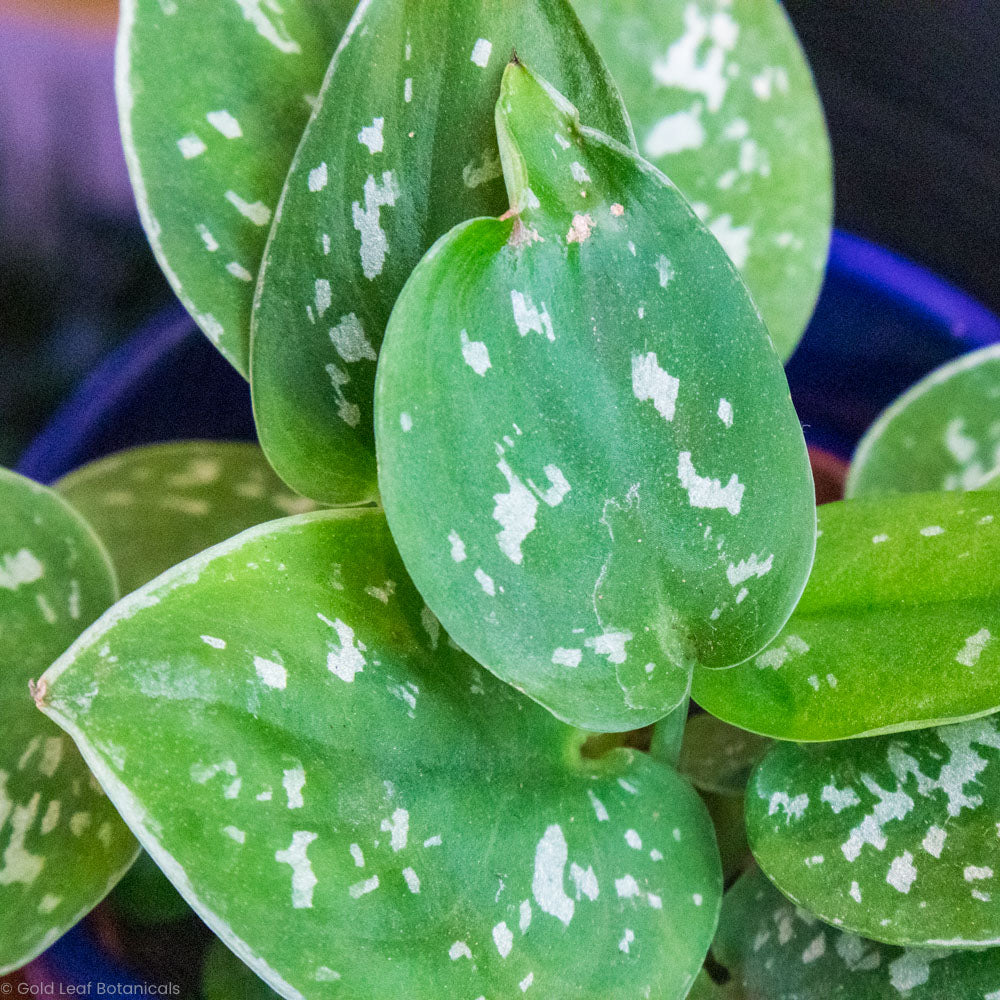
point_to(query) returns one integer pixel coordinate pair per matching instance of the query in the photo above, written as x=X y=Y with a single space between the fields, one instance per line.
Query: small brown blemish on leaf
x=522 y=235
x=514 y=61
x=581 y=229
x=617 y=210
x=38 y=690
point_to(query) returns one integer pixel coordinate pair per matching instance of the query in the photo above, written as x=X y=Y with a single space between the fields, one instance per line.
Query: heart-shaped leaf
x=777 y=951
x=213 y=98
x=943 y=434
x=402 y=148
x=62 y=845
x=716 y=757
x=895 y=838
x=225 y=977
x=589 y=391
x=353 y=805
x=894 y=631
x=724 y=104
x=156 y=506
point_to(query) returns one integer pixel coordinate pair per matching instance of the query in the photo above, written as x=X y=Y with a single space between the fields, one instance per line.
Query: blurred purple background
x=911 y=92
x=76 y=275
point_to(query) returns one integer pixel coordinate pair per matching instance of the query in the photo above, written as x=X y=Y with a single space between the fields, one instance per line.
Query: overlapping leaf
x=353 y=805
x=402 y=148
x=777 y=951
x=718 y=758
x=899 y=627
x=587 y=452
x=943 y=434
x=213 y=98
x=895 y=838
x=62 y=845
x=723 y=103
x=155 y=506
x=225 y=977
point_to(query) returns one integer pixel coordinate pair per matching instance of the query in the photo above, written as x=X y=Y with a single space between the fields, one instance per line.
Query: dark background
x=911 y=90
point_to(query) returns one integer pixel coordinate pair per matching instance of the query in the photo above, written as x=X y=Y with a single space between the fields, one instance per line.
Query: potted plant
x=378 y=744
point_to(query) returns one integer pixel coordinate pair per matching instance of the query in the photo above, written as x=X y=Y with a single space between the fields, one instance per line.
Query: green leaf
x=895 y=630
x=716 y=757
x=777 y=951
x=943 y=434
x=354 y=806
x=62 y=845
x=668 y=734
x=145 y=896
x=728 y=818
x=225 y=977
x=402 y=148
x=157 y=505
x=587 y=451
x=705 y=989
x=724 y=104
x=895 y=838
x=212 y=99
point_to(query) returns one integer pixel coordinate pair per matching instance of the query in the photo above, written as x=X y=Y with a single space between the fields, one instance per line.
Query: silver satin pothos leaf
x=723 y=102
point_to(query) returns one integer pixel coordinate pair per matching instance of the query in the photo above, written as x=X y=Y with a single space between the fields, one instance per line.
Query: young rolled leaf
x=943 y=434
x=355 y=807
x=402 y=148
x=618 y=483
x=62 y=845
x=155 y=506
x=894 y=838
x=212 y=100
x=723 y=102
x=718 y=758
x=777 y=951
x=668 y=734
x=895 y=630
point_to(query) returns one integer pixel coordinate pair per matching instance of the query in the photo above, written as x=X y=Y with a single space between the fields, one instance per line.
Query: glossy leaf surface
x=587 y=398
x=894 y=837
x=212 y=99
x=155 y=506
x=777 y=951
x=895 y=630
x=716 y=757
x=353 y=805
x=943 y=434
x=402 y=148
x=62 y=845
x=723 y=103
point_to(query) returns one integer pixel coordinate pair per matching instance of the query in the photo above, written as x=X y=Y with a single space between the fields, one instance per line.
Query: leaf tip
x=38 y=691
